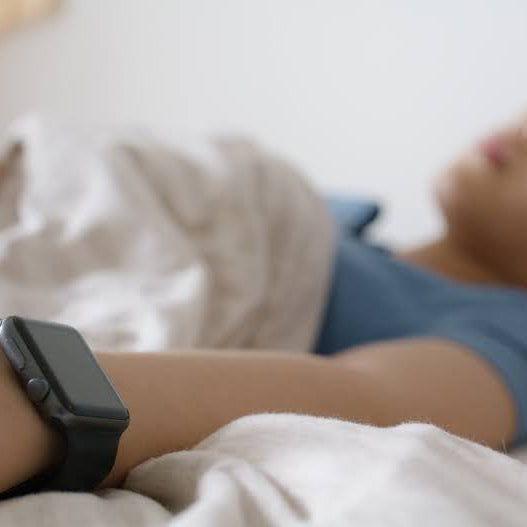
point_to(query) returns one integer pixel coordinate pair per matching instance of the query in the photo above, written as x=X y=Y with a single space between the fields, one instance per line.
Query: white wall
x=97 y=60
x=369 y=96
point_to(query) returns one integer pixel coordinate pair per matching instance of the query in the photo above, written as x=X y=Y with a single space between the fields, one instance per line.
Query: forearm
x=177 y=399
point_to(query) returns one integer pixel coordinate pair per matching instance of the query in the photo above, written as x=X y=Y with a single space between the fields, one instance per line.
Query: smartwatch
x=62 y=378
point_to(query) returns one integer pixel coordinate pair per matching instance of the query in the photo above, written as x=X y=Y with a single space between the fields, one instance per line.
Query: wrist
x=28 y=445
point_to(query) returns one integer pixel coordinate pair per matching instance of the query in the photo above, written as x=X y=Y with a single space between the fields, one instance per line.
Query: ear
x=15 y=12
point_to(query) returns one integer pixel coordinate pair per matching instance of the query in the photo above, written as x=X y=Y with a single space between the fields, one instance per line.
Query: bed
x=77 y=191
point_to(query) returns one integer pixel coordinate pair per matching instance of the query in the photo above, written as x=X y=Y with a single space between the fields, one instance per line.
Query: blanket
x=274 y=470
x=146 y=245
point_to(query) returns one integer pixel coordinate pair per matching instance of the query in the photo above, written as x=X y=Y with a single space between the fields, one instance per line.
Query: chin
x=445 y=188
x=466 y=177
x=453 y=192
x=473 y=168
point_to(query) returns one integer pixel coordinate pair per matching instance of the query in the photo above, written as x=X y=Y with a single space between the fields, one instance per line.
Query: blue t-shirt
x=375 y=296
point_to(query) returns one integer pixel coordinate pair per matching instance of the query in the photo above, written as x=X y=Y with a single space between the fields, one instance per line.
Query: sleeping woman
x=436 y=334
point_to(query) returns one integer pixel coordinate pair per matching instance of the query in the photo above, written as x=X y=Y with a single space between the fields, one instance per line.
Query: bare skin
x=483 y=196
x=383 y=383
x=178 y=398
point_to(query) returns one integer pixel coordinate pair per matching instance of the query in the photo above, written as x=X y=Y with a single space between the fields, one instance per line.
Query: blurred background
x=368 y=97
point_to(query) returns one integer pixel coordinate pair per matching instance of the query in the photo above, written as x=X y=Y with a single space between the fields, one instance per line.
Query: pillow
x=352 y=213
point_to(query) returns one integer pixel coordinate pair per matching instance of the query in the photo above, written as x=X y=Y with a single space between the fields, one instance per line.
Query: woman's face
x=483 y=194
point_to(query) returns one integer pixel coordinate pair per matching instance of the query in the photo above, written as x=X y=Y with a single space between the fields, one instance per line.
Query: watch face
x=71 y=369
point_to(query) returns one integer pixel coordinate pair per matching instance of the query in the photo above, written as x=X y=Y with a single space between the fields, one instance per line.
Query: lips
x=494 y=151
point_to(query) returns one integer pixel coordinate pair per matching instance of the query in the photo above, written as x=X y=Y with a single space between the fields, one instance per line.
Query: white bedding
x=143 y=247
x=292 y=470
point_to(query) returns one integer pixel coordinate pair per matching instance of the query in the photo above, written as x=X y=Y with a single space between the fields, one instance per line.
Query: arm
x=177 y=399
x=437 y=381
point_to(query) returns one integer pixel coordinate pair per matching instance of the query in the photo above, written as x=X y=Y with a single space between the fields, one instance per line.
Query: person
x=435 y=334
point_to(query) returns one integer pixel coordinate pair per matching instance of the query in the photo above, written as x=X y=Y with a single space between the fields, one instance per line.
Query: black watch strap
x=89 y=457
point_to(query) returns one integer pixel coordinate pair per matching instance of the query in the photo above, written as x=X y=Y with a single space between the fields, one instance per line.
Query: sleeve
x=501 y=339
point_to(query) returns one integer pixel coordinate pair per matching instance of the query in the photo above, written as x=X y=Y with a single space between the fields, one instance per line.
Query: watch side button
x=37 y=389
